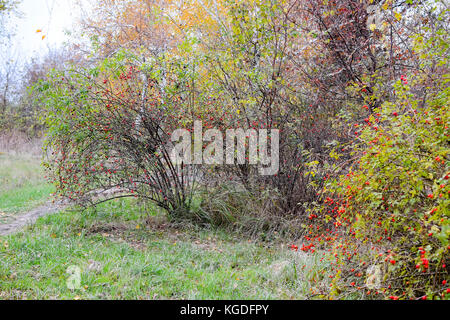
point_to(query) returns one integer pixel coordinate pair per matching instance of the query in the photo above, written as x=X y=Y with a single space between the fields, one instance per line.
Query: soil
x=28 y=218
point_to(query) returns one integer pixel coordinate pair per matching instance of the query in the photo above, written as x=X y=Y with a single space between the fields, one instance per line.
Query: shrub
x=387 y=215
x=109 y=134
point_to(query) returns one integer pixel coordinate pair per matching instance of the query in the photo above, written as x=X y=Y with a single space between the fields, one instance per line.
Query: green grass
x=122 y=256
x=128 y=251
x=22 y=184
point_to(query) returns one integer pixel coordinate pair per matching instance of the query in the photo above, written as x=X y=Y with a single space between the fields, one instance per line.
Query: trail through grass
x=22 y=184
x=124 y=250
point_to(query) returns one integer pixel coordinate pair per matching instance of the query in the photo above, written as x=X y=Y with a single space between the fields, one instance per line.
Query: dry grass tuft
x=18 y=143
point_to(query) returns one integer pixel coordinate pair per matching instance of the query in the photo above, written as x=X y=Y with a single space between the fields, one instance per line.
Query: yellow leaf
x=43 y=37
x=372 y=27
x=38 y=30
x=398 y=16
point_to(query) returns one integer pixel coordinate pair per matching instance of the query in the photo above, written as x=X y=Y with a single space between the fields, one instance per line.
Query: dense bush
x=388 y=210
x=109 y=135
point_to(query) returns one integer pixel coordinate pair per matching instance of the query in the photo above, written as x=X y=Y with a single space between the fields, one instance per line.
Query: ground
x=126 y=251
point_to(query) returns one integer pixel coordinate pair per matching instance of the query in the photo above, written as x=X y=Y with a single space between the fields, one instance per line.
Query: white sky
x=53 y=17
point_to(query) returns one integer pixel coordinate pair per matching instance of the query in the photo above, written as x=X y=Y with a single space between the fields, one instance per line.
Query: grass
x=122 y=256
x=22 y=184
x=124 y=250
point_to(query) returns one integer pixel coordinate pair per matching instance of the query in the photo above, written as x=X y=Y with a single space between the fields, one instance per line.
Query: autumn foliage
x=358 y=90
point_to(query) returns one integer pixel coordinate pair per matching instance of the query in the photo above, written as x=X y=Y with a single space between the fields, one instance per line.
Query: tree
x=8 y=79
x=7 y=8
x=356 y=88
x=8 y=59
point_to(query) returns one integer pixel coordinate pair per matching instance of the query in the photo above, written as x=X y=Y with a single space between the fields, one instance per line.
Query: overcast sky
x=53 y=17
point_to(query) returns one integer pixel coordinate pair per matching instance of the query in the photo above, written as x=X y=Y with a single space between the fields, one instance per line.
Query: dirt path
x=30 y=217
